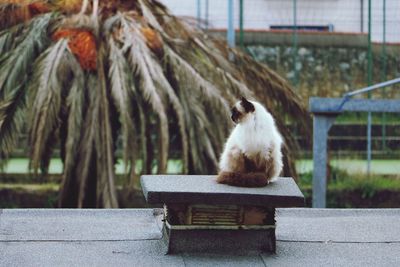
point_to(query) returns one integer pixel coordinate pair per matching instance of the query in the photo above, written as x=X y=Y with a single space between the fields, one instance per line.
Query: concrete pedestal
x=203 y=216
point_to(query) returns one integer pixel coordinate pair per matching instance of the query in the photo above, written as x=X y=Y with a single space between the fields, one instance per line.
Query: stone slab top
x=203 y=189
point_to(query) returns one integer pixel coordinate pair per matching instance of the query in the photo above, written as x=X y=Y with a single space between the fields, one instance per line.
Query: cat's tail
x=251 y=179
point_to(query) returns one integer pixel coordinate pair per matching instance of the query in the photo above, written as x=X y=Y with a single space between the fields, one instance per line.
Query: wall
x=344 y=15
x=327 y=72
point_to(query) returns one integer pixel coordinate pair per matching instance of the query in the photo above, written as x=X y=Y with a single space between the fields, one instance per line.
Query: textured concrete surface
x=203 y=189
x=306 y=237
x=339 y=225
x=76 y=225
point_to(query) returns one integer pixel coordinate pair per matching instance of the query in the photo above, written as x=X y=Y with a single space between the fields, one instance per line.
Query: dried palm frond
x=7 y=39
x=129 y=71
x=138 y=59
x=106 y=193
x=17 y=61
x=12 y=115
x=46 y=104
x=75 y=103
x=163 y=85
x=149 y=16
x=186 y=73
x=151 y=96
x=189 y=79
x=14 y=75
x=74 y=191
x=144 y=139
x=121 y=91
x=202 y=154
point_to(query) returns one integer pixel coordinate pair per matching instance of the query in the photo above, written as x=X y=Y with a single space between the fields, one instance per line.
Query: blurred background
x=323 y=48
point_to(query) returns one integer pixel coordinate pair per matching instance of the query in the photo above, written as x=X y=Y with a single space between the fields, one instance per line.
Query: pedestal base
x=238 y=240
x=219 y=229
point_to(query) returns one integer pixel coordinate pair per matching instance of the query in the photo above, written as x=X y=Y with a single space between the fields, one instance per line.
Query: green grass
x=345 y=190
x=354 y=166
x=341 y=180
x=361 y=118
x=355 y=190
x=21 y=165
x=33 y=187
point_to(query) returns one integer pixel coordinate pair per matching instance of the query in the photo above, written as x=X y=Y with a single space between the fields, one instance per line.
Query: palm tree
x=84 y=75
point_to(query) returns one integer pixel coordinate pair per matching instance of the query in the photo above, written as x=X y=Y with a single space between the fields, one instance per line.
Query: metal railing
x=368 y=90
x=325 y=111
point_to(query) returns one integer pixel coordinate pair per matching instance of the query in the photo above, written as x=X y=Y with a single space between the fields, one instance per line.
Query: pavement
x=132 y=237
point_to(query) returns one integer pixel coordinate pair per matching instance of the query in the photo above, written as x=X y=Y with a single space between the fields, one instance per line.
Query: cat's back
x=268 y=128
x=257 y=132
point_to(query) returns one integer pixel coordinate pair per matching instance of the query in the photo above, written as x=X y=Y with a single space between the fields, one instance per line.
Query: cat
x=252 y=155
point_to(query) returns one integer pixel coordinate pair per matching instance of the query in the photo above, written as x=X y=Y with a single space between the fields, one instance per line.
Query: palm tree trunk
x=106 y=193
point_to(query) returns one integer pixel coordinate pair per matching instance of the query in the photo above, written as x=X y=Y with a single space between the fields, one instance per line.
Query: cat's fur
x=252 y=155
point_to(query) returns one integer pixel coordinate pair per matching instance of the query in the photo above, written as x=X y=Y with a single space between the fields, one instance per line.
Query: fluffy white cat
x=252 y=155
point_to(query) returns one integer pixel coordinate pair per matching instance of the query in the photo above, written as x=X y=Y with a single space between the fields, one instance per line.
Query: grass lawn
x=384 y=167
x=355 y=166
x=361 y=118
x=21 y=165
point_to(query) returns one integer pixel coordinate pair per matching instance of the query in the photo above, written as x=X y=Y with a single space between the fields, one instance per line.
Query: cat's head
x=241 y=110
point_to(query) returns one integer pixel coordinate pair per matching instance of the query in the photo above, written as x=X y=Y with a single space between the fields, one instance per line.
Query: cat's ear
x=247 y=105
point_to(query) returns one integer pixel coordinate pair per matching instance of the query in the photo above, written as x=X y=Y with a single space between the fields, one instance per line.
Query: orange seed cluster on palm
x=153 y=40
x=82 y=44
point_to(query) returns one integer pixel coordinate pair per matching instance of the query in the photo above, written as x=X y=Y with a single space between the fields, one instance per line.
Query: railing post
x=199 y=14
x=369 y=74
x=321 y=126
x=231 y=26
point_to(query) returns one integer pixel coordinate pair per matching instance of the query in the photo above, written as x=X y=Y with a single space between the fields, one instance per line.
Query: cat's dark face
x=241 y=109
